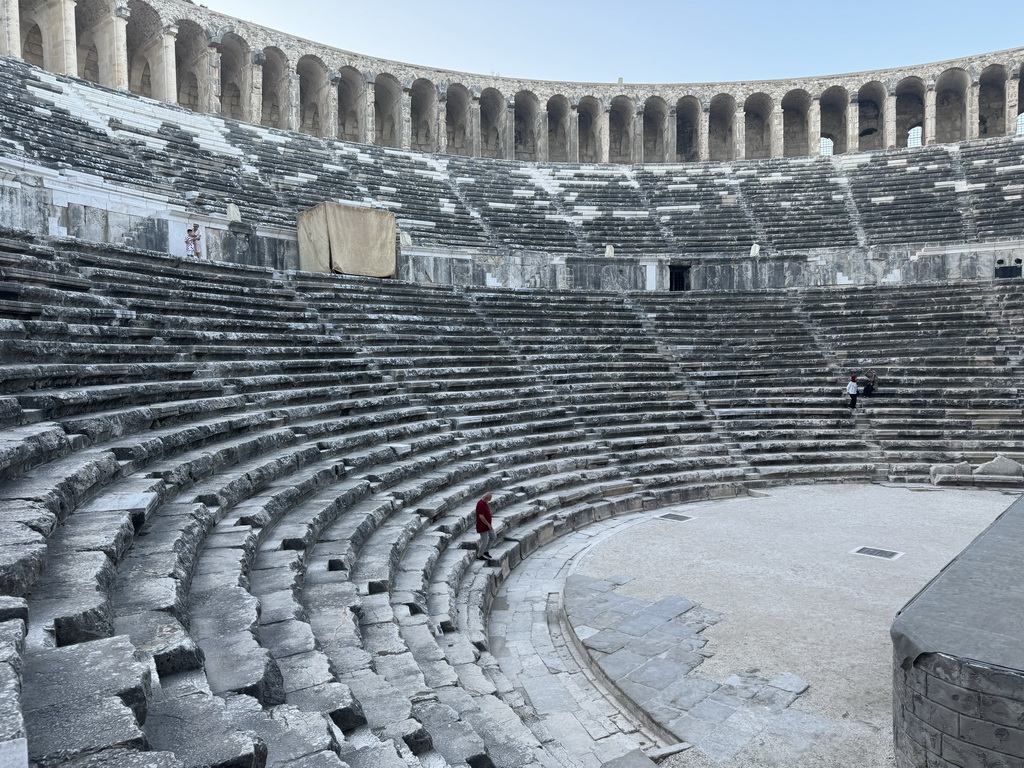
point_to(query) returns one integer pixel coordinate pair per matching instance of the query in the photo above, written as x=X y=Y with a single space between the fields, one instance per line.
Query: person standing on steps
x=485 y=527
x=872 y=384
x=851 y=390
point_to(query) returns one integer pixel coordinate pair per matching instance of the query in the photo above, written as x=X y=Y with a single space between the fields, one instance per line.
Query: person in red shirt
x=485 y=527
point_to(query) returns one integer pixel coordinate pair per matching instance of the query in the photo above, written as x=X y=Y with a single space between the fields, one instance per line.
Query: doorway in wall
x=678 y=277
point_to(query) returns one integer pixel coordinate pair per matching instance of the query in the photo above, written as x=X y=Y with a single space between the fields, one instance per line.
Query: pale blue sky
x=657 y=41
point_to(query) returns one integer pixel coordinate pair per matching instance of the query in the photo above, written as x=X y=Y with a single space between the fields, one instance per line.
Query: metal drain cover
x=885 y=554
x=674 y=516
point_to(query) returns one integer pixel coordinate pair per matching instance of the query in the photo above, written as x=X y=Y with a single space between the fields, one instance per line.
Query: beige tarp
x=348 y=239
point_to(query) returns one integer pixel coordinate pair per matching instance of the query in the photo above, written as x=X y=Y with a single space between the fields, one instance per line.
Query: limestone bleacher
x=520 y=213
x=800 y=203
x=947 y=390
x=606 y=203
x=906 y=196
x=699 y=204
x=994 y=172
x=765 y=381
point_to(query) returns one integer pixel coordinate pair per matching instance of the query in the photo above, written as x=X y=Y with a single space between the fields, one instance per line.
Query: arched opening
x=456 y=120
x=992 y=102
x=721 y=142
x=834 y=104
x=826 y=146
x=914 y=136
x=235 y=77
x=423 y=114
x=871 y=116
x=35 y=34
x=795 y=129
x=1020 y=124
x=527 y=113
x=32 y=49
x=655 y=122
x=492 y=122
x=313 y=85
x=951 y=106
x=145 y=51
x=387 y=111
x=588 y=114
x=757 y=126
x=92 y=20
x=351 y=101
x=192 y=66
x=273 y=108
x=687 y=130
x=620 y=130
x=909 y=108
x=558 y=129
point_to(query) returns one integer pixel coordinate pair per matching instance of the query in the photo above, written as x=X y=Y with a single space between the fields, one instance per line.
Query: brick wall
x=957 y=713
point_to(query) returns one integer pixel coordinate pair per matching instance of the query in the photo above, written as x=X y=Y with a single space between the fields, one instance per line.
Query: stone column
x=441 y=124
x=601 y=130
x=542 y=135
x=292 y=109
x=474 y=126
x=889 y=129
x=973 y=108
x=704 y=135
x=163 y=71
x=814 y=129
x=10 y=28
x=508 y=130
x=778 y=129
x=573 y=138
x=61 y=54
x=739 y=135
x=670 y=136
x=928 y=134
x=255 y=108
x=637 y=153
x=370 y=119
x=853 y=124
x=404 y=121
x=1012 y=91
x=210 y=91
x=110 y=37
x=330 y=120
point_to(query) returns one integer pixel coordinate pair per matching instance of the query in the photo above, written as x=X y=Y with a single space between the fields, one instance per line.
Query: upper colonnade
x=181 y=53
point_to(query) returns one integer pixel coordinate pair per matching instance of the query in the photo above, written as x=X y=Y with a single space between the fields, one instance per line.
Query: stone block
x=1001 y=466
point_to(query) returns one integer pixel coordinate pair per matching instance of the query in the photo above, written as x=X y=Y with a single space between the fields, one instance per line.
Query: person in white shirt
x=851 y=390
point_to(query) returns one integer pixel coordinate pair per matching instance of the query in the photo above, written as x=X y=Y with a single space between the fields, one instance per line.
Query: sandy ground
x=794 y=598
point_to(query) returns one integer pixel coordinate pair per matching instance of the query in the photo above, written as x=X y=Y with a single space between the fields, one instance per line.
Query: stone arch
x=351 y=104
x=492 y=122
x=909 y=108
x=835 y=105
x=387 y=111
x=722 y=115
x=992 y=101
x=558 y=129
x=191 y=66
x=423 y=116
x=588 y=115
x=620 y=130
x=145 y=50
x=527 y=120
x=235 y=77
x=871 y=105
x=457 y=110
x=90 y=39
x=951 y=106
x=655 y=127
x=757 y=126
x=313 y=85
x=275 y=93
x=33 y=45
x=796 y=131
x=688 y=112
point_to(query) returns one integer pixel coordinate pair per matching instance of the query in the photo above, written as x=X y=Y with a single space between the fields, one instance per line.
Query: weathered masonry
x=184 y=54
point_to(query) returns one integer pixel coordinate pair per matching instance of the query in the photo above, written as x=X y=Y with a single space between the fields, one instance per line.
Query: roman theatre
x=237 y=491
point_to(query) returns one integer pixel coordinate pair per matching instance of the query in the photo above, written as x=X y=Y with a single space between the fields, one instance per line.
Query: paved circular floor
x=794 y=599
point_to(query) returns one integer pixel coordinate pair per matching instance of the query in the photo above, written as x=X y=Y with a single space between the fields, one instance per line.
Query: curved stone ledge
x=958 y=667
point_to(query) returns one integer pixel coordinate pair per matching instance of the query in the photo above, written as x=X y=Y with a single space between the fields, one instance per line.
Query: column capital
x=122 y=12
x=259 y=58
x=171 y=30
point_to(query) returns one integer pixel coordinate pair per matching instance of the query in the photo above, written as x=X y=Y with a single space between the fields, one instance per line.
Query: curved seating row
x=245 y=499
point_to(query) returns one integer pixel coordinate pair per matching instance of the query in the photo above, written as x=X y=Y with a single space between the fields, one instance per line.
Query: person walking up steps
x=851 y=390
x=485 y=527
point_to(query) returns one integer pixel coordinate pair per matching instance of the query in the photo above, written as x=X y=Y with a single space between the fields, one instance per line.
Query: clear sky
x=649 y=41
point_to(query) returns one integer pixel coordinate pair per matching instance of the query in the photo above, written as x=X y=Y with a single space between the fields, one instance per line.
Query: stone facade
x=185 y=54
